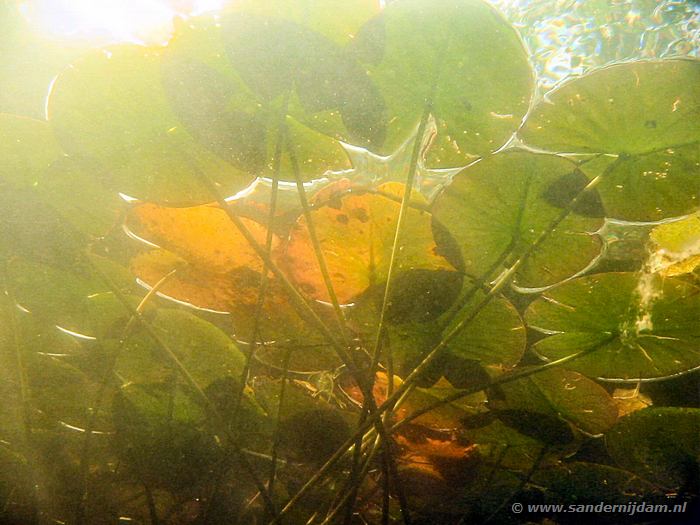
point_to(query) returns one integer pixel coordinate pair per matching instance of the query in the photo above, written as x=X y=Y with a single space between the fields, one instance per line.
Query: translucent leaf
x=650 y=186
x=630 y=108
x=631 y=337
x=27 y=148
x=356 y=236
x=659 y=444
x=565 y=394
x=202 y=348
x=202 y=235
x=464 y=58
x=220 y=103
x=497 y=208
x=110 y=107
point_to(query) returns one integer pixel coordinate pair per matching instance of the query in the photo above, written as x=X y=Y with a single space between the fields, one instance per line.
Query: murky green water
x=316 y=262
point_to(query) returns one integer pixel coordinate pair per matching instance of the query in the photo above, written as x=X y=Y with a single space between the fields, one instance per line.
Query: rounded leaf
x=459 y=56
x=499 y=207
x=628 y=338
x=110 y=106
x=632 y=108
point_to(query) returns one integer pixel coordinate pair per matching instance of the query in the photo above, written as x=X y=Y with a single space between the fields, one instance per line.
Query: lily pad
x=202 y=235
x=110 y=107
x=206 y=352
x=630 y=338
x=633 y=108
x=356 y=236
x=498 y=208
x=650 y=186
x=495 y=338
x=462 y=58
x=27 y=148
x=659 y=444
x=567 y=395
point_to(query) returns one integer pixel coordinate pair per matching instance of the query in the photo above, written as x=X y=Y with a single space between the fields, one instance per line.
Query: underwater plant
x=326 y=262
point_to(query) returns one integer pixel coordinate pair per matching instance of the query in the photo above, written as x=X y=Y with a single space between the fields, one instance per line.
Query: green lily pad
x=631 y=108
x=27 y=148
x=218 y=100
x=110 y=107
x=567 y=395
x=464 y=58
x=659 y=444
x=604 y=314
x=202 y=348
x=55 y=295
x=495 y=338
x=497 y=208
x=649 y=186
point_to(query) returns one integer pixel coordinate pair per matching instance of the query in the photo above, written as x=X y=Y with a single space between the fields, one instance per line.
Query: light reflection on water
x=569 y=37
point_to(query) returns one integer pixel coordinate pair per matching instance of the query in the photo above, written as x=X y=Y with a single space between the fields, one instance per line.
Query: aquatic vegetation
x=349 y=264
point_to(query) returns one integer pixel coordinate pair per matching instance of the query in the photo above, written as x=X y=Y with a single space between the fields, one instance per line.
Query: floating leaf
x=631 y=108
x=659 y=444
x=356 y=237
x=604 y=314
x=434 y=51
x=676 y=247
x=498 y=208
x=567 y=395
x=202 y=348
x=202 y=235
x=110 y=107
x=495 y=338
x=650 y=186
x=56 y=296
x=333 y=92
x=27 y=148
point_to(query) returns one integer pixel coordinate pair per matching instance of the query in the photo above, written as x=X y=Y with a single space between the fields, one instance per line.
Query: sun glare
x=112 y=21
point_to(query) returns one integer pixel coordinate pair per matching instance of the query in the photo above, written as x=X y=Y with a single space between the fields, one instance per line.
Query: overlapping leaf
x=629 y=337
x=356 y=236
x=109 y=107
x=498 y=208
x=644 y=112
x=463 y=59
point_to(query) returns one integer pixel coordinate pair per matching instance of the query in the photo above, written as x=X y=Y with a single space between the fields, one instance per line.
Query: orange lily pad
x=356 y=235
x=201 y=235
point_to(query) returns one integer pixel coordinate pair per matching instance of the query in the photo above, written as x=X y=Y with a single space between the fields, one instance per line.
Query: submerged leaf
x=659 y=444
x=563 y=394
